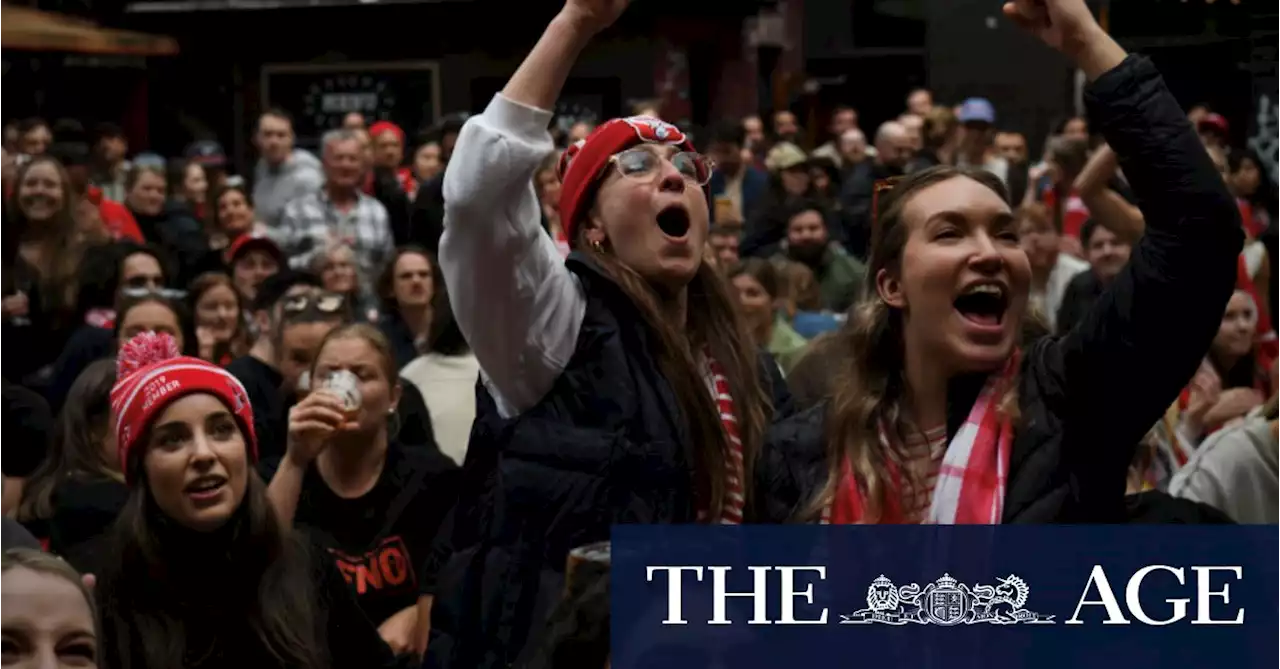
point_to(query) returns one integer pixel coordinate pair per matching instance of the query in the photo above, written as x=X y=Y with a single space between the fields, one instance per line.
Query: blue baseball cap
x=977 y=110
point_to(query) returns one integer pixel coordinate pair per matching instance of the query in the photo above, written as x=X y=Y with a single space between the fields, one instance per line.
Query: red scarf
x=1267 y=343
x=971 y=480
x=734 y=499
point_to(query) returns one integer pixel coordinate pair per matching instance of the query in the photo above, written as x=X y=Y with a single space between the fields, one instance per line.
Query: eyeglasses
x=643 y=165
x=145 y=282
x=325 y=303
x=135 y=292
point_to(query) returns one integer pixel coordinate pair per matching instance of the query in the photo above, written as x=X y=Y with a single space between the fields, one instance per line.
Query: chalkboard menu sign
x=320 y=95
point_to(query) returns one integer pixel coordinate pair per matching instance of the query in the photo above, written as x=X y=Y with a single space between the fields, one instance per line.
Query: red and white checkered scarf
x=971 y=480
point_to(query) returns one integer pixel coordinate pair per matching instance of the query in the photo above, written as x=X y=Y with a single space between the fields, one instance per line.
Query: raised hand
x=595 y=15
x=1069 y=27
x=1058 y=23
x=312 y=423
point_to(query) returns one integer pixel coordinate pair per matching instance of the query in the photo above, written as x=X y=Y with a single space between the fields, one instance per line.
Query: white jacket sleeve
x=516 y=303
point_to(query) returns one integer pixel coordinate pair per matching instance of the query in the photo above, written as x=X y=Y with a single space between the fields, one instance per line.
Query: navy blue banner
x=787 y=597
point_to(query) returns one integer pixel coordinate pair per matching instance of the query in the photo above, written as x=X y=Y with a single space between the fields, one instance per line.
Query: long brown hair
x=82 y=427
x=265 y=582
x=870 y=384
x=711 y=321
x=61 y=245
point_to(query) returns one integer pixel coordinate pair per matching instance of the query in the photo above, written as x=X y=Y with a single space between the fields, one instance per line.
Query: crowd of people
x=359 y=409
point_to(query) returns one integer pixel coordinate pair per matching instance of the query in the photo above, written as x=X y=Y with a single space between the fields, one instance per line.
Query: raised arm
x=1132 y=353
x=1105 y=205
x=515 y=301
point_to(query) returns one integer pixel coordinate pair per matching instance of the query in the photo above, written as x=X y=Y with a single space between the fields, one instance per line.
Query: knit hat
x=386 y=126
x=150 y=374
x=583 y=162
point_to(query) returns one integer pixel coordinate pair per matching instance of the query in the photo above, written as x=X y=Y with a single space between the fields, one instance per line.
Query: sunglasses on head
x=643 y=165
x=880 y=191
x=135 y=292
x=325 y=303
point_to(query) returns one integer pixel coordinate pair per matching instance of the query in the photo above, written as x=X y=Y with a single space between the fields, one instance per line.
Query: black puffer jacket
x=605 y=446
x=1089 y=395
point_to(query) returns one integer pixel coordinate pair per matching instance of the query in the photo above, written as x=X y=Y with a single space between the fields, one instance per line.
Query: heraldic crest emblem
x=947 y=602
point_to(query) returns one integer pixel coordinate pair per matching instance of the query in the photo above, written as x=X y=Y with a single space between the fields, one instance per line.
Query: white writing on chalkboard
x=341 y=103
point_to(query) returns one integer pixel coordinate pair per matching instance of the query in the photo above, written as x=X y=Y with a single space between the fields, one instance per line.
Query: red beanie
x=583 y=162
x=151 y=373
x=386 y=126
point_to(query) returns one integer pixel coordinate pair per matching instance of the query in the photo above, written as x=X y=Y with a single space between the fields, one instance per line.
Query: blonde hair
x=136 y=172
x=870 y=383
x=371 y=336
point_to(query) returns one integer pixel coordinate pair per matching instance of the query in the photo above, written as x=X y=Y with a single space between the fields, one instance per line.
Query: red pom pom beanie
x=582 y=163
x=150 y=374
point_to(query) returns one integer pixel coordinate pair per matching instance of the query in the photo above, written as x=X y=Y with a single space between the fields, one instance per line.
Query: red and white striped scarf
x=734 y=491
x=970 y=484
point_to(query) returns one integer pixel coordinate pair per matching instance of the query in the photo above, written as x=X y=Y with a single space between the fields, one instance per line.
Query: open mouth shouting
x=206 y=488
x=673 y=220
x=983 y=305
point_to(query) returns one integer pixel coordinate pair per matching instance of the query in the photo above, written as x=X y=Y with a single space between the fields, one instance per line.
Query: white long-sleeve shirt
x=517 y=304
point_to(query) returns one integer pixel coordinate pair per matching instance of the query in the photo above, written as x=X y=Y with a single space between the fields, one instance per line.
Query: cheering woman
x=618 y=385
x=940 y=417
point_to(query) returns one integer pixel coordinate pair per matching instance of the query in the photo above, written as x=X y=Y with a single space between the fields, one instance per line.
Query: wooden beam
x=28 y=29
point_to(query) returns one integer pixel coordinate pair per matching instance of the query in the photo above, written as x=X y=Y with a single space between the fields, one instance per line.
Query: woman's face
x=339 y=273
x=234 y=213
x=195 y=186
x=250 y=269
x=388 y=150
x=357 y=356
x=795 y=181
x=1076 y=128
x=754 y=301
x=656 y=225
x=1040 y=242
x=1245 y=181
x=219 y=310
x=47 y=622
x=150 y=317
x=1239 y=325
x=196 y=463
x=36 y=141
x=412 y=284
x=963 y=281
x=426 y=162
x=147 y=195
x=549 y=188
x=141 y=270
x=41 y=194
x=821 y=182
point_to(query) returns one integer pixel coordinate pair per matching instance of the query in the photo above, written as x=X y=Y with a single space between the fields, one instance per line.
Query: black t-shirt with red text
x=390 y=542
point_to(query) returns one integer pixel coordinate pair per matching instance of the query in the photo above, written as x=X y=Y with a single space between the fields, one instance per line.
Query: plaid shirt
x=310 y=224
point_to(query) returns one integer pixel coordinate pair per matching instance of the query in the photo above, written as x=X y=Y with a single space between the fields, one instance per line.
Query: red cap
x=386 y=126
x=1215 y=121
x=248 y=242
x=583 y=162
x=151 y=373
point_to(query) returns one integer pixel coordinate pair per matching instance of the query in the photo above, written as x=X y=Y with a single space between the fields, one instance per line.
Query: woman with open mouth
x=619 y=384
x=198 y=570
x=939 y=417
